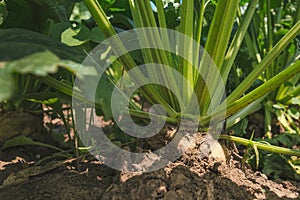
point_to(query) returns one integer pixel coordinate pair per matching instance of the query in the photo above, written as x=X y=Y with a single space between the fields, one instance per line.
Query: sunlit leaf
x=294 y=112
x=3 y=12
x=40 y=64
x=295 y=100
x=42 y=97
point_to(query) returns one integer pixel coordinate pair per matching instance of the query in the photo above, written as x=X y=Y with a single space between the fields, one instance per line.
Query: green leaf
x=122 y=21
x=42 y=97
x=103 y=97
x=36 y=14
x=3 y=12
x=295 y=100
x=80 y=12
x=24 y=141
x=113 y=7
x=69 y=34
x=17 y=43
x=57 y=29
x=294 y=112
x=285 y=140
x=20 y=15
x=276 y=4
x=75 y=36
x=97 y=35
x=40 y=64
x=7 y=86
x=27 y=52
x=277 y=166
x=278 y=106
x=61 y=8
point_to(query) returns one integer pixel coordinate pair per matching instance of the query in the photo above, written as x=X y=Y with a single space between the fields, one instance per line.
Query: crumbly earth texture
x=35 y=172
x=190 y=177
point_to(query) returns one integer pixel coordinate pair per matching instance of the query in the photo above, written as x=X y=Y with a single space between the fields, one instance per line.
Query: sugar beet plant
x=191 y=78
x=222 y=44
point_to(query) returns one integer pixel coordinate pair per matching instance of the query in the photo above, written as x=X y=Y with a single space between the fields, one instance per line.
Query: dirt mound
x=194 y=178
x=190 y=177
x=187 y=178
x=219 y=182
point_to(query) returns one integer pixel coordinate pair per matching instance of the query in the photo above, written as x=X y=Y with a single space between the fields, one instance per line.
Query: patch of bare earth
x=188 y=178
x=195 y=178
x=192 y=176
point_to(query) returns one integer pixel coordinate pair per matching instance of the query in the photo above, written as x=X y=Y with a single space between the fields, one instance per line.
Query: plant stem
x=216 y=46
x=294 y=93
x=143 y=15
x=262 y=90
x=268 y=59
x=260 y=145
x=104 y=24
x=187 y=28
x=237 y=40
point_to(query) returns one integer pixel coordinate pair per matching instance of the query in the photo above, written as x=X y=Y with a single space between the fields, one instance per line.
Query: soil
x=187 y=178
x=24 y=175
